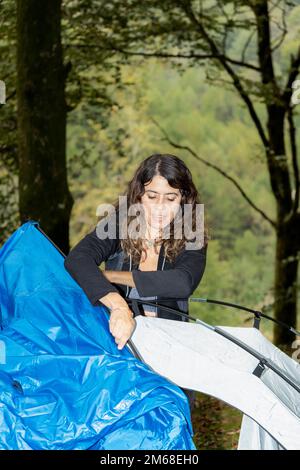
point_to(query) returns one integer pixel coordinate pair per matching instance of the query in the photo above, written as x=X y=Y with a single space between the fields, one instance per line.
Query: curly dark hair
x=178 y=176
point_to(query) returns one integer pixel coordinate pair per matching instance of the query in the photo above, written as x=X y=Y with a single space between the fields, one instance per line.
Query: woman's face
x=160 y=201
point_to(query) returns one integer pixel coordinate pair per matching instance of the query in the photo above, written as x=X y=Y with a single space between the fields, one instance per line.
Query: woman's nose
x=159 y=210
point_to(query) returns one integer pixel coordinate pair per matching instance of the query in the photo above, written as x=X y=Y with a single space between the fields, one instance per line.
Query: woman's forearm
x=113 y=300
x=120 y=277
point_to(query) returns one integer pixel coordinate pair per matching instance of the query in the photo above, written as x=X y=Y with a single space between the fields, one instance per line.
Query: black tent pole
x=257 y=313
x=263 y=361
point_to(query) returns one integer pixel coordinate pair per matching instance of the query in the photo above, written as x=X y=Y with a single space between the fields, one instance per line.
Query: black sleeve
x=83 y=260
x=177 y=282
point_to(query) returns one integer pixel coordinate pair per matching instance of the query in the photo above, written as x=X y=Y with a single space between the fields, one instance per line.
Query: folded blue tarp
x=63 y=382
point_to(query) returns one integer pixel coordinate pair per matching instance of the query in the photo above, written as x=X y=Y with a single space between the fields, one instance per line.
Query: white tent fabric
x=196 y=357
x=252 y=436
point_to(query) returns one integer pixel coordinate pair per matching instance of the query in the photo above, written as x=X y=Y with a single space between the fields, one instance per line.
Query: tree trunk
x=43 y=190
x=287 y=233
x=286 y=282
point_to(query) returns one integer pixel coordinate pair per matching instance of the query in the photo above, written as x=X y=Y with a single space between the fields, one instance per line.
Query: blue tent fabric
x=63 y=382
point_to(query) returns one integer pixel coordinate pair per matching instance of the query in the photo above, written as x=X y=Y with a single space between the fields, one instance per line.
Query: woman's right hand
x=121 y=324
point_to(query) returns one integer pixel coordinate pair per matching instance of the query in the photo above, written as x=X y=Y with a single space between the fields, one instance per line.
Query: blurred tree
x=41 y=75
x=54 y=77
x=9 y=217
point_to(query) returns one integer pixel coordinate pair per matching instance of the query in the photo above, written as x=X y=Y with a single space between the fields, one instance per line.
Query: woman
x=151 y=266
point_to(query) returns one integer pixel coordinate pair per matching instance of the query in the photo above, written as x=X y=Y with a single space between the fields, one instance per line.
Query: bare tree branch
x=283 y=28
x=246 y=45
x=236 y=81
x=168 y=55
x=219 y=170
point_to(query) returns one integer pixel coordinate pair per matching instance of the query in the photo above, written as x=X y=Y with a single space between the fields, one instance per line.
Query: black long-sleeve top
x=177 y=280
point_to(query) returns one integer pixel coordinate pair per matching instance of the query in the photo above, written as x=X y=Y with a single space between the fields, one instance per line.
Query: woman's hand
x=121 y=324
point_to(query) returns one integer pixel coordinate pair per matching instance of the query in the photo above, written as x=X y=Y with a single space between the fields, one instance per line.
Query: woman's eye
x=169 y=199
